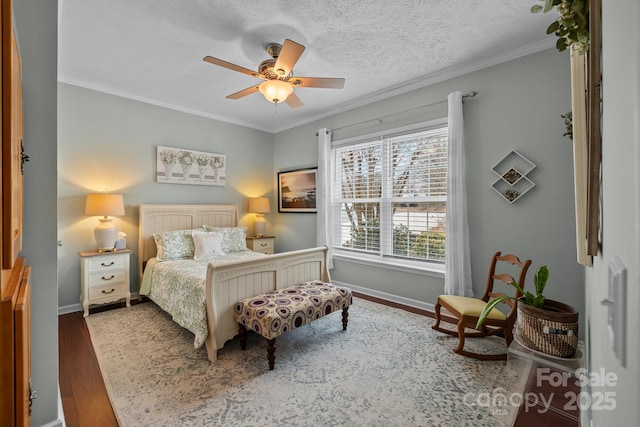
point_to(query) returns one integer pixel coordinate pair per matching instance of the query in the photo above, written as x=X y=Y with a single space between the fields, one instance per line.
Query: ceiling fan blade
x=323 y=82
x=289 y=55
x=293 y=101
x=243 y=92
x=230 y=66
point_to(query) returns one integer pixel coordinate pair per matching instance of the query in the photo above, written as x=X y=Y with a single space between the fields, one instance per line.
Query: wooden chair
x=468 y=309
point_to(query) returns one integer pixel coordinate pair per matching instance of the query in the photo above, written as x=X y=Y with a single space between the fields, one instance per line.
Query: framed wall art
x=297 y=190
x=594 y=124
x=586 y=94
x=181 y=166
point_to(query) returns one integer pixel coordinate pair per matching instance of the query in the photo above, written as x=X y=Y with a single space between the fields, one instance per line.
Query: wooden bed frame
x=228 y=282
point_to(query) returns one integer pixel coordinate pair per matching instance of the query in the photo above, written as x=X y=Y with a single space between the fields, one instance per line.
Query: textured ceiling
x=152 y=50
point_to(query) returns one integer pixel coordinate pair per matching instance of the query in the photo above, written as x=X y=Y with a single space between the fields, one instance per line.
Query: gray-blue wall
x=37 y=29
x=518 y=107
x=620 y=217
x=109 y=142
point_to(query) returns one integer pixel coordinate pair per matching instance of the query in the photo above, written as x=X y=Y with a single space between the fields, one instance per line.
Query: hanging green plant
x=568 y=123
x=572 y=26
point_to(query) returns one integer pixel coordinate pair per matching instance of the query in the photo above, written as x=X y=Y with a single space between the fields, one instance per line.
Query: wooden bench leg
x=271 y=353
x=242 y=335
x=345 y=318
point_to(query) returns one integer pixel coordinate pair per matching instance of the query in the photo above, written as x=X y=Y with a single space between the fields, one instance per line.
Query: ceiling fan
x=277 y=74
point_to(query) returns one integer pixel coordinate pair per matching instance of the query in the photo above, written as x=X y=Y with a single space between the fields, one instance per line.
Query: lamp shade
x=275 y=90
x=104 y=204
x=259 y=205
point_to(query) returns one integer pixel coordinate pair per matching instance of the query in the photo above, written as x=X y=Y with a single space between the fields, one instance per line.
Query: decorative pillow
x=234 y=239
x=177 y=244
x=207 y=244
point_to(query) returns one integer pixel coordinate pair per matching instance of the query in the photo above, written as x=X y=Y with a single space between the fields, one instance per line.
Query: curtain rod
x=379 y=119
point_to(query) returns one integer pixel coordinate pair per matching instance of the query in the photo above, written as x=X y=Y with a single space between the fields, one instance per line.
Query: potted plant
x=542 y=324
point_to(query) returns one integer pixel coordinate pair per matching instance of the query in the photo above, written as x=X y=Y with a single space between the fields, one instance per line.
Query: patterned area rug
x=388 y=369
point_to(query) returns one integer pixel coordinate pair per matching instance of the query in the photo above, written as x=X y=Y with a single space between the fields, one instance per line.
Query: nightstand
x=104 y=277
x=264 y=244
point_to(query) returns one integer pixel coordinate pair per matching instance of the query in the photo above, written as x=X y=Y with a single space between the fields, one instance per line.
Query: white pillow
x=207 y=244
x=234 y=239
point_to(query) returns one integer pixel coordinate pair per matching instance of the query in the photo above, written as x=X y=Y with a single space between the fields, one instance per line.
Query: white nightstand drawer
x=100 y=263
x=106 y=290
x=105 y=277
x=263 y=245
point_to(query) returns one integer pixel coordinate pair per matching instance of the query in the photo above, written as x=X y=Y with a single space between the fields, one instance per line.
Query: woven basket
x=551 y=330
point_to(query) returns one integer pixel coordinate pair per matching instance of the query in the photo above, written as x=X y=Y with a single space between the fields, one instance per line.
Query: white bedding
x=178 y=287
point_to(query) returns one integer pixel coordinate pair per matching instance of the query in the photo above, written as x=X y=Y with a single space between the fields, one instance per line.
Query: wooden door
x=12 y=133
x=10 y=293
x=15 y=290
x=22 y=318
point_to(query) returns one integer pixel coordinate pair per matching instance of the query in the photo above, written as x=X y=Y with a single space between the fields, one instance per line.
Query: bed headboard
x=159 y=218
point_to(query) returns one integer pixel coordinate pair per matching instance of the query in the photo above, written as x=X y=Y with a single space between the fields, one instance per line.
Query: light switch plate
x=616 y=308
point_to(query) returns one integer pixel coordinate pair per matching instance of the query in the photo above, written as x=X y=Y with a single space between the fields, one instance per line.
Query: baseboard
x=408 y=302
x=60 y=421
x=66 y=309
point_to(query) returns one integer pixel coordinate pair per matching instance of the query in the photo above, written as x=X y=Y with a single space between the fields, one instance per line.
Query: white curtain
x=323 y=194
x=457 y=256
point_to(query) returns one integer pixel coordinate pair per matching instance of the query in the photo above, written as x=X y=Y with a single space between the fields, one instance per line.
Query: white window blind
x=389 y=195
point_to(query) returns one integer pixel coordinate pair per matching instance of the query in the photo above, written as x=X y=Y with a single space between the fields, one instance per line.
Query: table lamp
x=105 y=204
x=259 y=206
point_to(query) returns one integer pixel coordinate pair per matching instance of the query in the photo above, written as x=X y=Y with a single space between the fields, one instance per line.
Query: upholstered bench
x=276 y=312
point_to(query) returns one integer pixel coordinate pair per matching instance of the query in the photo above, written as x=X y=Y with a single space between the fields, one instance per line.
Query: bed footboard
x=227 y=283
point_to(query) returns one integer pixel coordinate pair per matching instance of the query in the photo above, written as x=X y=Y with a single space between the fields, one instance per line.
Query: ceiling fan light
x=275 y=90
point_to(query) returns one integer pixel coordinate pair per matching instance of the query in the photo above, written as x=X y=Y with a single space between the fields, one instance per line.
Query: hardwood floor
x=84 y=396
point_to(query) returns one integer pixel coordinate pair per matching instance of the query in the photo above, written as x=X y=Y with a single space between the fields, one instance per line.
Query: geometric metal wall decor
x=512 y=181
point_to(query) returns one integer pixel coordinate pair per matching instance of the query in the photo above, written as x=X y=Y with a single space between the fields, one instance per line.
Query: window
x=389 y=195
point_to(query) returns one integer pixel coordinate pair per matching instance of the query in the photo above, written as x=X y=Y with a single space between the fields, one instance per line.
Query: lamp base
x=106 y=235
x=259 y=225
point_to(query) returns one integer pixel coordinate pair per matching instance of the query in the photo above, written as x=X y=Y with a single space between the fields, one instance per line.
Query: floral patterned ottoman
x=276 y=312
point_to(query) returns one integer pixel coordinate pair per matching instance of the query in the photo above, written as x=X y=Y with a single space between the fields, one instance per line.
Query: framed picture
x=181 y=166
x=594 y=125
x=297 y=190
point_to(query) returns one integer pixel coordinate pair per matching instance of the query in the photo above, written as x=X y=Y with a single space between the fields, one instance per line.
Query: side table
x=104 y=277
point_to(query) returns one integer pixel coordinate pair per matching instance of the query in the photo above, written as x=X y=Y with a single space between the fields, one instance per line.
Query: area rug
x=389 y=368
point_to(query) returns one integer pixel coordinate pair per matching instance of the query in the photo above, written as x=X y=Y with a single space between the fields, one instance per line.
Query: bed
x=224 y=279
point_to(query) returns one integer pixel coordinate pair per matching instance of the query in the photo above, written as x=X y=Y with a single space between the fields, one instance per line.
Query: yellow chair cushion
x=470 y=306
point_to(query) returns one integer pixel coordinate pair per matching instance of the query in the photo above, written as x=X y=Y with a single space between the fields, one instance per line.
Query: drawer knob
x=108 y=278
x=108 y=292
x=263 y=244
x=107 y=265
